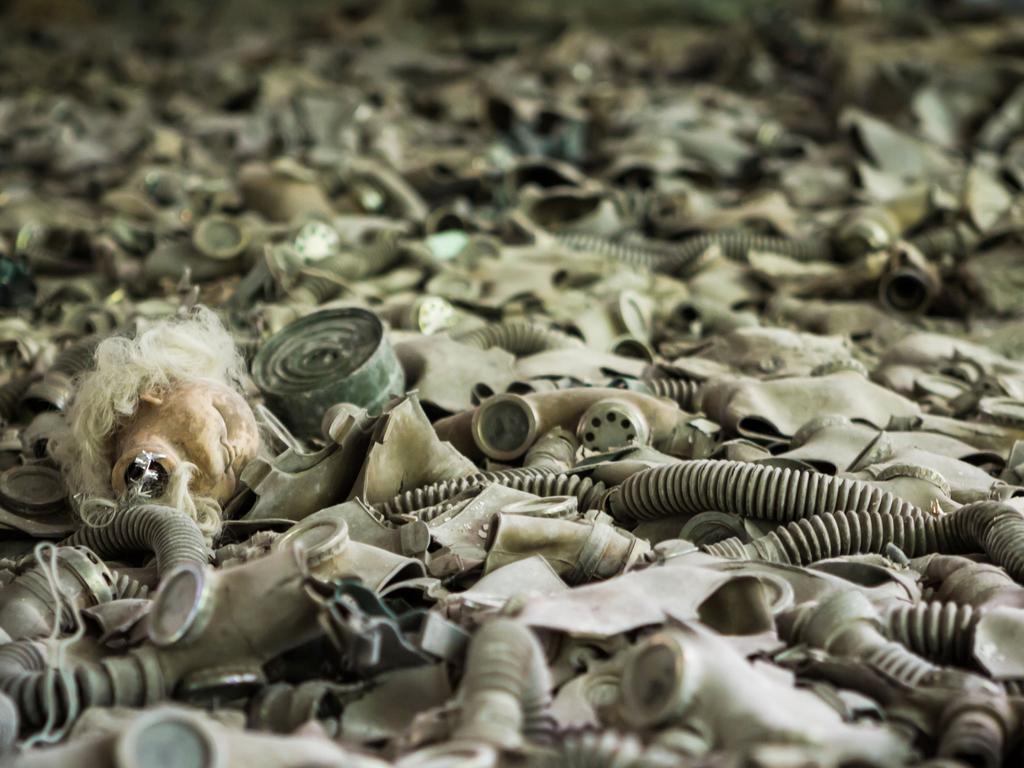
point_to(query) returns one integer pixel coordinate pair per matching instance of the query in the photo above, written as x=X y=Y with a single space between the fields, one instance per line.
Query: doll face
x=205 y=423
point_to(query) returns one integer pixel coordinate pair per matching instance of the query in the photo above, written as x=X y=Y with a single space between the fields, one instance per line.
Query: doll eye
x=146 y=476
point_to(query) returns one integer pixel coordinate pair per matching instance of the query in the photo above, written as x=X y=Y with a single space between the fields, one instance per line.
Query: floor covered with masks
x=458 y=384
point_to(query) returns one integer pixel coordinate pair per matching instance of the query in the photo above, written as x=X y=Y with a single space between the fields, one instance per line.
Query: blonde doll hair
x=192 y=348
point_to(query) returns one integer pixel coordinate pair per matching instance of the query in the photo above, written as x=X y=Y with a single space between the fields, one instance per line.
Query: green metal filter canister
x=328 y=357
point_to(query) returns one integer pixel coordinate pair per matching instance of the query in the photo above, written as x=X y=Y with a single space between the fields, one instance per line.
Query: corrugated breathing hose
x=316 y=286
x=537 y=482
x=518 y=337
x=836 y=534
x=900 y=664
x=436 y=493
x=686 y=394
x=736 y=244
x=991 y=527
x=761 y=491
x=505 y=694
x=939 y=631
x=313 y=290
x=1013 y=687
x=54 y=390
x=40 y=692
x=553 y=452
x=847 y=624
x=11 y=394
x=426 y=514
x=170 y=534
x=77 y=357
x=8 y=724
x=956 y=239
x=958 y=579
x=597 y=749
x=128 y=588
x=975 y=733
x=642 y=255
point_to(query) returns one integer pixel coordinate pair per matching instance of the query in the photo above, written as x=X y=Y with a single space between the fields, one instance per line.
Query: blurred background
x=248 y=12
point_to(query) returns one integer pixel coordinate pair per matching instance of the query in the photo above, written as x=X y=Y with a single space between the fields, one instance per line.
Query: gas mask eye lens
x=178 y=605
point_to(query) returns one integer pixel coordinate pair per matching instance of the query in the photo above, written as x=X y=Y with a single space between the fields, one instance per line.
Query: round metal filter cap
x=316 y=240
x=169 y=739
x=504 y=426
x=612 y=424
x=221 y=238
x=433 y=314
x=33 y=489
x=331 y=356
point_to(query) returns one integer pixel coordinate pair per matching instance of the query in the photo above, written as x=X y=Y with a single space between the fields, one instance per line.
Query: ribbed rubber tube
x=518 y=337
x=381 y=254
x=313 y=289
x=686 y=394
x=536 y=482
x=171 y=535
x=847 y=623
x=642 y=255
x=991 y=527
x=505 y=694
x=553 y=452
x=436 y=493
x=1013 y=687
x=736 y=244
x=678 y=256
x=899 y=663
x=132 y=680
x=957 y=240
x=8 y=724
x=975 y=737
x=939 y=631
x=11 y=394
x=127 y=588
x=22 y=666
x=426 y=514
x=961 y=580
x=711 y=527
x=761 y=491
x=836 y=534
x=77 y=357
x=988 y=526
x=55 y=390
x=597 y=749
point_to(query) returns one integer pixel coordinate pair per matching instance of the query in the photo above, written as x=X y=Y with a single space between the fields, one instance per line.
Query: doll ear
x=152 y=397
